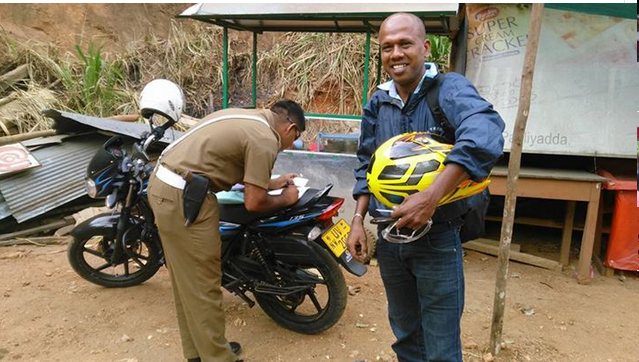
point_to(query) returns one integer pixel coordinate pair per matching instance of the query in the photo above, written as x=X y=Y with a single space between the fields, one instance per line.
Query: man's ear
x=426 y=48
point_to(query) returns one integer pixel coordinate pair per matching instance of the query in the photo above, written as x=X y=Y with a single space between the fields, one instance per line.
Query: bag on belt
x=193 y=196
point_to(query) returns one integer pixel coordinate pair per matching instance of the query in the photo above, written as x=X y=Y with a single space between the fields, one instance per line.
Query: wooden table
x=559 y=184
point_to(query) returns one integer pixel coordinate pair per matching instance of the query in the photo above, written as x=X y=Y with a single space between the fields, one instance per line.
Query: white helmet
x=164 y=97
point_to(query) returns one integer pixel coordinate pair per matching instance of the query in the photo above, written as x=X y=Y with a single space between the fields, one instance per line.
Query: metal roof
x=438 y=18
x=58 y=180
x=67 y=122
x=63 y=159
x=4 y=208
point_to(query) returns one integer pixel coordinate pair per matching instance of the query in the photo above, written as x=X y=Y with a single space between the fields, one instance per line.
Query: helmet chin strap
x=398 y=238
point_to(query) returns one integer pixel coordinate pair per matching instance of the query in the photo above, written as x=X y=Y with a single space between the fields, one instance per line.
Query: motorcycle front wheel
x=315 y=309
x=90 y=257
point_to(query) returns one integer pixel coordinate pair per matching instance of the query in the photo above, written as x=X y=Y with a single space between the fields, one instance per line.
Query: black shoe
x=236 y=348
x=196 y=359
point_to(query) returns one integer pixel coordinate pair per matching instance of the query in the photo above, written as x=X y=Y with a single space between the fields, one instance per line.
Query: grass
x=322 y=71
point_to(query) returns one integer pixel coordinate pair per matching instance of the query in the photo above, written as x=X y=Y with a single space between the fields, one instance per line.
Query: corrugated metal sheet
x=67 y=122
x=4 y=208
x=59 y=180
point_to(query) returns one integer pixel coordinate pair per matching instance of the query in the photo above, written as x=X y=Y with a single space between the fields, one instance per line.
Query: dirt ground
x=48 y=313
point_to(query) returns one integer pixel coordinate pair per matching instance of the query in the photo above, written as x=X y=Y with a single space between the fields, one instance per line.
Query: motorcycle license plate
x=335 y=237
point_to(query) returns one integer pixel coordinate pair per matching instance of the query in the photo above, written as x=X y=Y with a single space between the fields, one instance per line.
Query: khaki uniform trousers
x=193 y=256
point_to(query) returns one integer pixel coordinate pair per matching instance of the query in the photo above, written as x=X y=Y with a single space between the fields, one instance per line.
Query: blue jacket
x=479 y=141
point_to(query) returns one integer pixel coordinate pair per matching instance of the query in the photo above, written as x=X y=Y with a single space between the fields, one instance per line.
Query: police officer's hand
x=416 y=210
x=290 y=194
x=281 y=181
x=356 y=242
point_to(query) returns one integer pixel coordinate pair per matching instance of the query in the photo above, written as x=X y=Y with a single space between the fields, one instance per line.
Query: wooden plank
x=552 y=174
x=54 y=225
x=609 y=272
x=513 y=247
x=601 y=269
x=598 y=230
x=514 y=255
x=566 y=237
x=543 y=189
x=533 y=221
x=548 y=223
x=40 y=241
x=587 y=241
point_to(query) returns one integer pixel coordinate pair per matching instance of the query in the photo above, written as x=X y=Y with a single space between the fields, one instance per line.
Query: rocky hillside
x=112 y=25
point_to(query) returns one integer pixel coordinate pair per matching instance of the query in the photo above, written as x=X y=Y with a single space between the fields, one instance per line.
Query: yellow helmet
x=409 y=163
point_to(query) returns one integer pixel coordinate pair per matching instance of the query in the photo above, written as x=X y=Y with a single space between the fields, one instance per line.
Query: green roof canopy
x=614 y=10
x=341 y=18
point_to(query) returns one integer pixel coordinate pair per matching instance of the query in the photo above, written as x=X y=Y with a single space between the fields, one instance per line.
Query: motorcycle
x=289 y=260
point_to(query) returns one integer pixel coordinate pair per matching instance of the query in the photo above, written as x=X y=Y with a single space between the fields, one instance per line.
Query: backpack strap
x=432 y=97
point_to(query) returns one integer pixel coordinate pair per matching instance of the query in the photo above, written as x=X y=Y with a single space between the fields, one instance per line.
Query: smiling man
x=424 y=279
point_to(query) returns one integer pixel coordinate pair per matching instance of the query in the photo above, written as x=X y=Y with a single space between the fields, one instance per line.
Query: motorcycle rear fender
x=350 y=264
x=292 y=250
x=106 y=224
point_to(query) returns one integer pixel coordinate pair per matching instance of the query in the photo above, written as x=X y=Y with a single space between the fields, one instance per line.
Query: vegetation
x=323 y=71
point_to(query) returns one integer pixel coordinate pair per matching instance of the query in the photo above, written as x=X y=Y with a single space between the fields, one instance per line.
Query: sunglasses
x=297 y=131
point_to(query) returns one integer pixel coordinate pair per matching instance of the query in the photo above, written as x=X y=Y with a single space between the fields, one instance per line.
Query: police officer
x=227 y=147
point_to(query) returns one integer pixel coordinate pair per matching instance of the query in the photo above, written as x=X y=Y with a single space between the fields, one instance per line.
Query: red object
x=328 y=213
x=623 y=246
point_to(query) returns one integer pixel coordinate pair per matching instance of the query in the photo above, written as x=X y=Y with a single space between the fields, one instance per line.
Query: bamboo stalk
x=8 y=99
x=25 y=136
x=126 y=117
x=10 y=78
x=514 y=164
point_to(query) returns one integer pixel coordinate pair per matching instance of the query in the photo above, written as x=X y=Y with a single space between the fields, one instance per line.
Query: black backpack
x=474 y=219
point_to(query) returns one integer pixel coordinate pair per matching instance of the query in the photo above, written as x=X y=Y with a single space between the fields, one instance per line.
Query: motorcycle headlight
x=92 y=190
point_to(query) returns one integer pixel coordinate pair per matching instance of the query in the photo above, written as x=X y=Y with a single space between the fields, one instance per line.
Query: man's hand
x=356 y=242
x=290 y=195
x=281 y=181
x=416 y=210
x=257 y=199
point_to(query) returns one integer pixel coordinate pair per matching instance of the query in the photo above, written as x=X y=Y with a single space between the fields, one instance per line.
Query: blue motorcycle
x=288 y=260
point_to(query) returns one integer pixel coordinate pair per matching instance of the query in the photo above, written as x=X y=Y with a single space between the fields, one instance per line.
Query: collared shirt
x=391 y=88
x=478 y=130
x=234 y=150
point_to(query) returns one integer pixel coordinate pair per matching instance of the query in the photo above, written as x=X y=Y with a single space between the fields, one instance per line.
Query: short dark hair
x=294 y=110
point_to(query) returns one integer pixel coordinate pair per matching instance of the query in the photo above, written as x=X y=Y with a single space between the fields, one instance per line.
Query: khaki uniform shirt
x=229 y=151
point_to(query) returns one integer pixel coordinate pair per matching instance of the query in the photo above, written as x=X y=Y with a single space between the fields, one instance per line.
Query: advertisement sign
x=585 y=78
x=14 y=158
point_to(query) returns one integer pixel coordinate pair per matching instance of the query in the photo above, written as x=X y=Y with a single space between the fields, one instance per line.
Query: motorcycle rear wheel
x=304 y=312
x=90 y=258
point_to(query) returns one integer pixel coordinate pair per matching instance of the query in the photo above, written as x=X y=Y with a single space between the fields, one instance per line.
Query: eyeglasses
x=297 y=131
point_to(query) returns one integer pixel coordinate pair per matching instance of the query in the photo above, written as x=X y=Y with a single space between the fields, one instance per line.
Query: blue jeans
x=424 y=283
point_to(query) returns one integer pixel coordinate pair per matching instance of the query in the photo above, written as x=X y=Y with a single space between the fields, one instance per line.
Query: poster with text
x=585 y=79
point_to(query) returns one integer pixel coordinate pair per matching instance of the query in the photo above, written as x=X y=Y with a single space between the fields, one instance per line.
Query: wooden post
x=566 y=238
x=513 y=175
